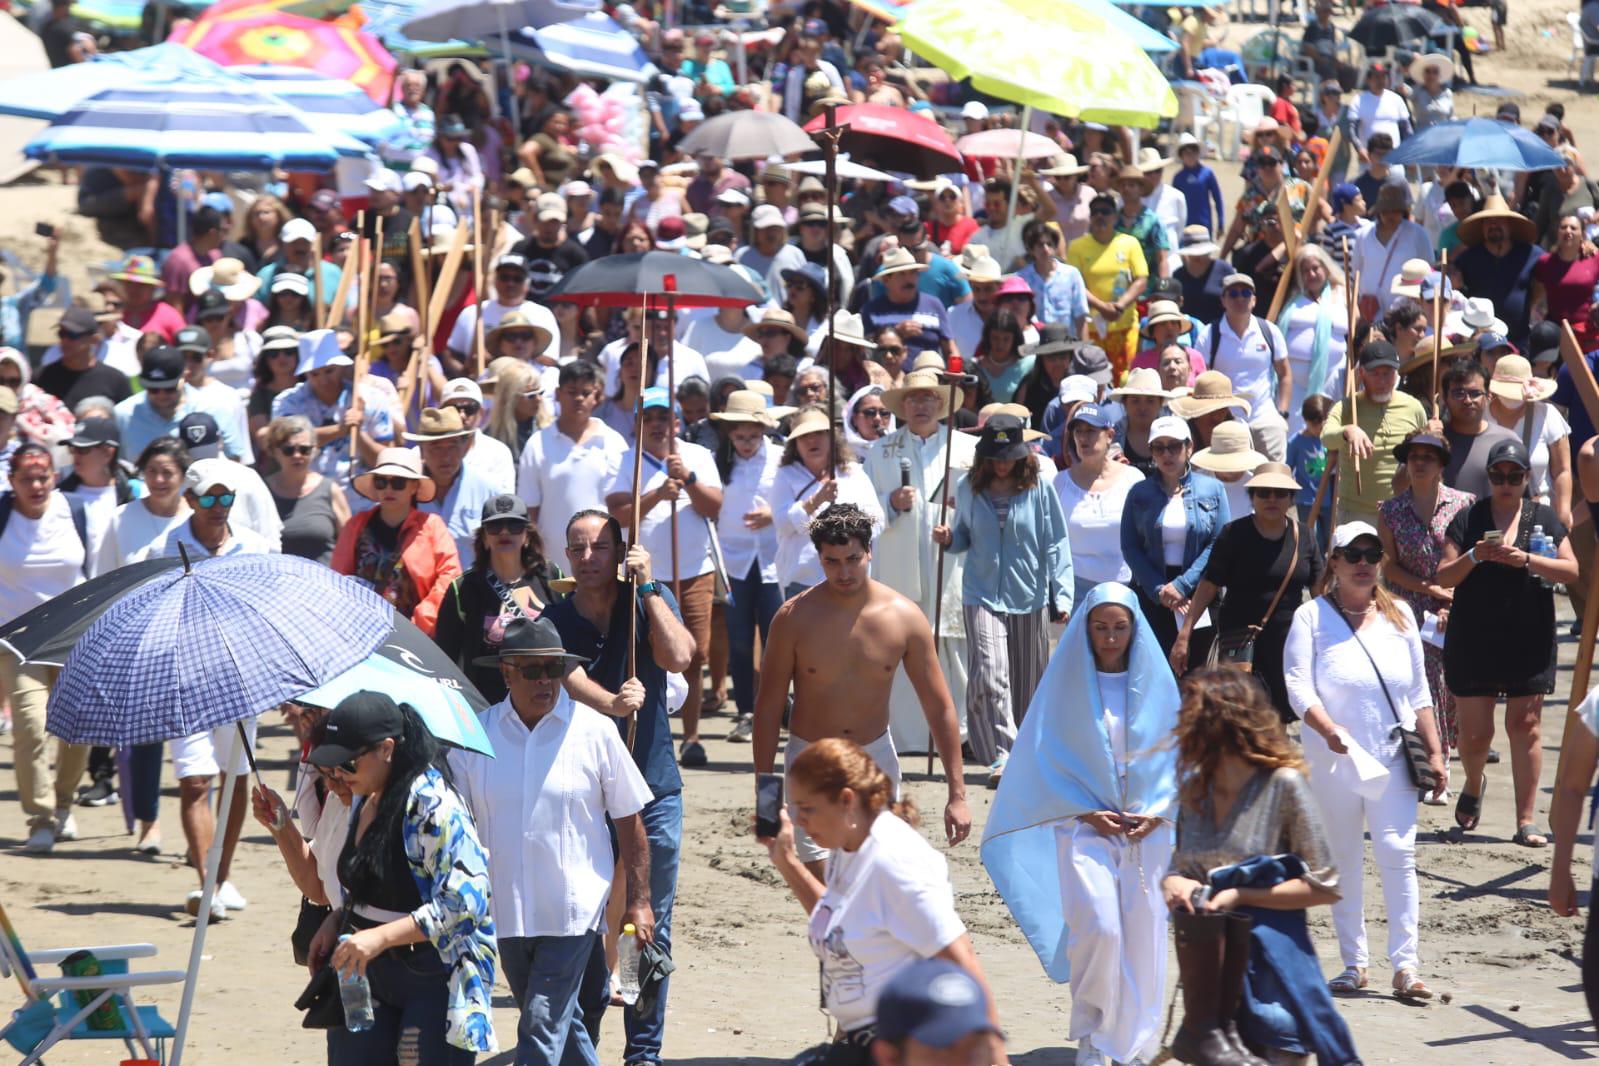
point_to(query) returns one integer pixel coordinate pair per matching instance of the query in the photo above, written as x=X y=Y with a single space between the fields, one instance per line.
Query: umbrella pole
x=829 y=137
x=1016 y=172
x=633 y=522
x=213 y=861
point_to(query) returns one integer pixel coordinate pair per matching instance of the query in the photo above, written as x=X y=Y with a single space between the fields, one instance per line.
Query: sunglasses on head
x=300 y=450
x=1353 y=554
x=1506 y=477
x=543 y=671
x=495 y=526
x=211 y=499
x=380 y=482
x=1165 y=447
x=1238 y=292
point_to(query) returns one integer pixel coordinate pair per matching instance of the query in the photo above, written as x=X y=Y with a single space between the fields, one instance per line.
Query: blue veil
x=1062 y=766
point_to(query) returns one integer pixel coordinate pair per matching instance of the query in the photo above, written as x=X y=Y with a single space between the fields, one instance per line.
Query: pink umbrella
x=250 y=36
x=1006 y=144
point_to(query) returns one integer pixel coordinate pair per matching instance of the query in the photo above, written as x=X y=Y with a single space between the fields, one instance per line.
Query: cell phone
x=44 y=229
x=1493 y=536
x=768 y=804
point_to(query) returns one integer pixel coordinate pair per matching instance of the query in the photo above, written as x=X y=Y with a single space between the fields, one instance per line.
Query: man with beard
x=1498 y=261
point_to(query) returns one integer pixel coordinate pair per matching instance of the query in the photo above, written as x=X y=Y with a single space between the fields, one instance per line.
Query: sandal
x=1530 y=836
x=1348 y=983
x=1410 y=987
x=1468 y=808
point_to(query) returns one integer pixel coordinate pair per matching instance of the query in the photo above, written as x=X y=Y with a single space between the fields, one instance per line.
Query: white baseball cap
x=733 y=198
x=297 y=229
x=416 y=179
x=1349 y=532
x=204 y=473
x=461 y=389
x=576 y=187
x=1171 y=428
x=1078 y=388
x=975 y=109
x=384 y=180
x=767 y=216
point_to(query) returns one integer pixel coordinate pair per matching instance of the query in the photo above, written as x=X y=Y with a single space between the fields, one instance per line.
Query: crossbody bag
x=1238 y=649
x=1410 y=742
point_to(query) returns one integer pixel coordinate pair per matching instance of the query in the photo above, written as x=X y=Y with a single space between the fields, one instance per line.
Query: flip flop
x=1468 y=808
x=1525 y=834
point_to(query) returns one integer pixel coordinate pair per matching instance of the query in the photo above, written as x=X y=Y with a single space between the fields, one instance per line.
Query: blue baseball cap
x=220 y=202
x=1487 y=342
x=903 y=205
x=934 y=1002
x=1343 y=194
x=656 y=396
x=921 y=107
x=1092 y=413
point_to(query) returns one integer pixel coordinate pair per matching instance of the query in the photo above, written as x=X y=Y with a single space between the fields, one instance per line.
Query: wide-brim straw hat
x=1145 y=381
x=1231 y=451
x=1272 y=476
x=1423 y=355
x=745 y=405
x=916 y=381
x=779 y=318
x=398 y=462
x=1495 y=207
x=1408 y=281
x=517 y=320
x=978 y=265
x=1513 y=380
x=1420 y=65
x=989 y=410
x=227 y=275
x=808 y=422
x=1168 y=311
x=439 y=423
x=898 y=261
x=1212 y=391
x=1064 y=165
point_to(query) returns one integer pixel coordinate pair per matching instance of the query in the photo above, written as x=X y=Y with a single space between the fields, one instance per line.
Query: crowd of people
x=1210 y=532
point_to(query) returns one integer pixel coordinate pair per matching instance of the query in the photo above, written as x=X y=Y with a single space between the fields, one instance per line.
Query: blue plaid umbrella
x=206 y=125
x=328 y=103
x=217 y=643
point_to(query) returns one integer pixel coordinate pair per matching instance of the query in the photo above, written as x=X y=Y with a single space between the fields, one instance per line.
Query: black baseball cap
x=1509 y=451
x=1378 y=353
x=934 y=1002
x=1543 y=342
x=200 y=435
x=505 y=506
x=93 y=431
x=162 y=367
x=192 y=339
x=211 y=303
x=361 y=720
x=79 y=321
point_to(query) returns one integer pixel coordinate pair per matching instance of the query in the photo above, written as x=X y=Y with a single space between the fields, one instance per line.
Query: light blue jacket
x=1021 y=567
x=1205 y=504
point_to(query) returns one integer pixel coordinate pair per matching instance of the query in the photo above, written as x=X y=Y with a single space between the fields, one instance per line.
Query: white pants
x=1392 y=821
x=882 y=752
x=1116 y=934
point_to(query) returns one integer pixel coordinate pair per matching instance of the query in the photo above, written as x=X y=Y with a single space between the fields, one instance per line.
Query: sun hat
x=1509 y=451
x=1062 y=165
x=78 y=322
x=1014 y=285
x=1188 y=140
x=1513 y=380
x=1422 y=440
x=1494 y=207
x=1162 y=311
x=989 y=410
x=745 y=405
x=1432 y=61
x=1144 y=381
x=775 y=172
x=847 y=329
x=1129 y=173
x=531 y=637
x=1091 y=362
x=1053 y=337
x=1213 y=391
x=1150 y=160
x=1349 y=532
x=1002 y=439
x=319 y=349
x=1169 y=427
x=393 y=326
x=807 y=422
x=439 y=423
x=228 y=275
x=139 y=270
x=278 y=338
x=212 y=473
x=934 y=1002
x=917 y=381
x=461 y=389
x=776 y=317
x=897 y=262
x=932 y=359
x=1408 y=281
x=767 y=216
x=361 y=721
x=1272 y=476
x=516 y=320
x=1196 y=241
x=1231 y=451
x=978 y=265
x=398 y=462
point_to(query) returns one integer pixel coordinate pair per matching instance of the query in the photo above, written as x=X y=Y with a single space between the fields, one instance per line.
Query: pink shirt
x=1150 y=358
x=160 y=317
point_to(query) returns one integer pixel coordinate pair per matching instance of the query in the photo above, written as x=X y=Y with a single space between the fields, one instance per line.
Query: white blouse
x=1094 y=525
x=797 y=562
x=749 y=487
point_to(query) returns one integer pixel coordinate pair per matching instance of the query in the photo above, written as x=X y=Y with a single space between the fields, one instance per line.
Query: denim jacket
x=1205 y=504
x=1021 y=567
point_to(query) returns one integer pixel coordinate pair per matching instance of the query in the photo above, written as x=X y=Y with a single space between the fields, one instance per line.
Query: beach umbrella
x=254 y=37
x=894 y=137
x=45 y=635
x=49 y=93
x=1394 y=25
x=622 y=281
x=327 y=103
x=844 y=168
x=593 y=46
x=384 y=19
x=439 y=700
x=748 y=135
x=1478 y=143
x=1007 y=144
x=205 y=125
x=210 y=645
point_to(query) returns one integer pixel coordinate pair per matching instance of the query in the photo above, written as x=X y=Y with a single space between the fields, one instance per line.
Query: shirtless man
x=841 y=685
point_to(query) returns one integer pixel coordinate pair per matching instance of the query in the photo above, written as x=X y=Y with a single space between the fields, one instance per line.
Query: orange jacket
x=427 y=551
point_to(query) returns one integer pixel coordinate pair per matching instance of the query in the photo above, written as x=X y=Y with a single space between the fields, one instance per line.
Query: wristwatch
x=693 y=476
x=650 y=588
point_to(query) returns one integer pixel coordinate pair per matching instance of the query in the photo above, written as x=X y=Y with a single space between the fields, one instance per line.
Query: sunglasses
x=543 y=671
x=468 y=408
x=518 y=336
x=1166 y=447
x=301 y=450
x=380 y=482
x=771 y=331
x=1503 y=477
x=211 y=499
x=348 y=766
x=891 y=349
x=877 y=413
x=497 y=526
x=160 y=388
x=1353 y=554
x=1272 y=494
x=1238 y=292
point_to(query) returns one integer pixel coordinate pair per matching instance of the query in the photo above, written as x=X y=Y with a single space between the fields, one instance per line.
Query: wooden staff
x=1312 y=212
x=1588 y=392
x=316 y=276
x=477 y=279
x=452 y=266
x=953 y=399
x=362 y=356
x=829 y=136
x=633 y=522
x=341 y=295
x=1438 y=325
x=420 y=265
x=670 y=282
x=1351 y=368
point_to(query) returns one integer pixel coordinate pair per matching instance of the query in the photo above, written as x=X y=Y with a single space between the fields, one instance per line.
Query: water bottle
x=627 y=965
x=1540 y=543
x=356 y=995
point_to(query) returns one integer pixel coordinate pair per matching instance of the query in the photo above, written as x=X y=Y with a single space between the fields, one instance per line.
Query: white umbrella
x=844 y=169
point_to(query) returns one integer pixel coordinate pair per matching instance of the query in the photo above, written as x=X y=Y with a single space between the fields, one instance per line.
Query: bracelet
x=1472 y=554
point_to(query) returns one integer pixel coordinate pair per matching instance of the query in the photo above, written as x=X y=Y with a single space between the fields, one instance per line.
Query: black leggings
x=1590 y=963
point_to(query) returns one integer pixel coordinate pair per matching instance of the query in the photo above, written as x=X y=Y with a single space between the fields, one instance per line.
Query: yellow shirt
x=1109 y=270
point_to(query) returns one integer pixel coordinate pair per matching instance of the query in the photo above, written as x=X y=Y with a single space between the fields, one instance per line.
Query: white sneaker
x=1089 y=1055
x=192 y=905
x=230 y=897
x=1443 y=799
x=66 y=826
x=40 y=840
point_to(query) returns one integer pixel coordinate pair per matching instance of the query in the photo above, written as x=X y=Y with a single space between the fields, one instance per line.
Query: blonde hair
x=1384 y=600
x=830 y=766
x=512 y=378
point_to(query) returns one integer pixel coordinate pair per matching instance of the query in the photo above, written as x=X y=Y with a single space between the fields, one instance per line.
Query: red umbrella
x=893 y=139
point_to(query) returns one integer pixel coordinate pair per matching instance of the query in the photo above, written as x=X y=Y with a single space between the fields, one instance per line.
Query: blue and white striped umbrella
x=328 y=103
x=594 y=46
x=208 y=125
x=48 y=94
x=473 y=20
x=213 y=644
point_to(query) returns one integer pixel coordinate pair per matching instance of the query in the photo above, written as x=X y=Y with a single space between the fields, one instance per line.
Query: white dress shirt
x=749 y=487
x=540 y=806
x=1378 y=263
x=1247 y=361
x=561 y=477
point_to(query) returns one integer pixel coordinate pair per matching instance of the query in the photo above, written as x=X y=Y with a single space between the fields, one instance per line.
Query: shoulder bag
x=1238 y=649
x=1421 y=774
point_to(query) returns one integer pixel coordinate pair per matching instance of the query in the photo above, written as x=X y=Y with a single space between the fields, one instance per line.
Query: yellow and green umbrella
x=1062 y=56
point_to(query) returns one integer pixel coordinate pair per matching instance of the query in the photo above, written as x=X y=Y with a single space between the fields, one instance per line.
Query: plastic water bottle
x=1540 y=543
x=627 y=965
x=356 y=995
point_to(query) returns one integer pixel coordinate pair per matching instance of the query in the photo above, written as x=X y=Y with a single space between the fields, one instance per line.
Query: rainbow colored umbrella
x=251 y=37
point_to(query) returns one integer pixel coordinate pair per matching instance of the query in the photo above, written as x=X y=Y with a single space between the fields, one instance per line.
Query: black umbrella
x=1395 y=25
x=47 y=633
x=621 y=280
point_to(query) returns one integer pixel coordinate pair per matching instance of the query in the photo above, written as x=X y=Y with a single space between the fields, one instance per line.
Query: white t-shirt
x=1238 y=502
x=99 y=510
x=1005 y=243
x=655 y=528
x=40 y=558
x=1094 y=525
x=885 y=906
x=1113 y=713
x=561 y=477
x=137 y=534
x=687 y=363
x=1174 y=530
x=493 y=462
x=1549 y=427
x=705 y=335
x=463 y=335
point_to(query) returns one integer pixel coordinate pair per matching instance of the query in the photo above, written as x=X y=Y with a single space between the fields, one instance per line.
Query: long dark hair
x=415 y=752
x=982 y=474
x=533 y=561
x=1001 y=322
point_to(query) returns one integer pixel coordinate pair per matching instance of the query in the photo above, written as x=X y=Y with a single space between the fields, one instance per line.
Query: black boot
x=1233 y=968
x=1201 y=953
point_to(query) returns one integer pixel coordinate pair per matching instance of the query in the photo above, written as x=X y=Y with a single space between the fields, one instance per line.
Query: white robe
x=906 y=560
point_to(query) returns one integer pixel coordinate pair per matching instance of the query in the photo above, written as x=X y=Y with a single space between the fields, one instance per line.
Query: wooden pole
x=938 y=578
x=420 y=266
x=452 y=266
x=1588 y=391
x=1438 y=325
x=829 y=136
x=362 y=356
x=478 y=286
x=316 y=277
x=341 y=295
x=633 y=522
x=1350 y=372
x=1312 y=212
x=671 y=407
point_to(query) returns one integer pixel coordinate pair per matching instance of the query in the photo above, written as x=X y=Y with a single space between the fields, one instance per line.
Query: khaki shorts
x=882 y=752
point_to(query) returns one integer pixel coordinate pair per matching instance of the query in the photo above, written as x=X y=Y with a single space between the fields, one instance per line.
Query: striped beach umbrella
x=209 y=126
x=328 y=104
x=252 y=37
x=49 y=93
x=594 y=46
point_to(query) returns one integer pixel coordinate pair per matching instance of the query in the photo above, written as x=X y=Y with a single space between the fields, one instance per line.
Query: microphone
x=904 y=472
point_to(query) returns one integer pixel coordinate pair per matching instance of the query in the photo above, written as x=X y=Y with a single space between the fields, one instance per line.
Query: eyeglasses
x=380 y=482
x=890 y=349
x=814 y=222
x=1353 y=554
x=1506 y=477
x=300 y=450
x=494 y=527
x=1238 y=292
x=1467 y=394
x=211 y=499
x=877 y=413
x=468 y=408
x=1166 y=447
x=553 y=671
x=1272 y=494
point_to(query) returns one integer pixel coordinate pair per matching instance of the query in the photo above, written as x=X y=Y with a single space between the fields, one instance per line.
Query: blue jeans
x=545 y=973
x=144 y=767
x=410 y=994
x=663 y=826
x=792 y=589
x=751 y=605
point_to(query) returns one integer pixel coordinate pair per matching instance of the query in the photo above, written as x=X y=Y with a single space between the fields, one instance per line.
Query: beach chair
x=52 y=1012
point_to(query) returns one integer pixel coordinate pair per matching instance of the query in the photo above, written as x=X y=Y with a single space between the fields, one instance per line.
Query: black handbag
x=320 y=1000
x=1238 y=649
x=1410 y=742
x=310 y=919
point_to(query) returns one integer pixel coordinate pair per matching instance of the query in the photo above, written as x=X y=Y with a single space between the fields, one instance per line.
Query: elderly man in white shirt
x=559 y=770
x=1170 y=205
x=1250 y=350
